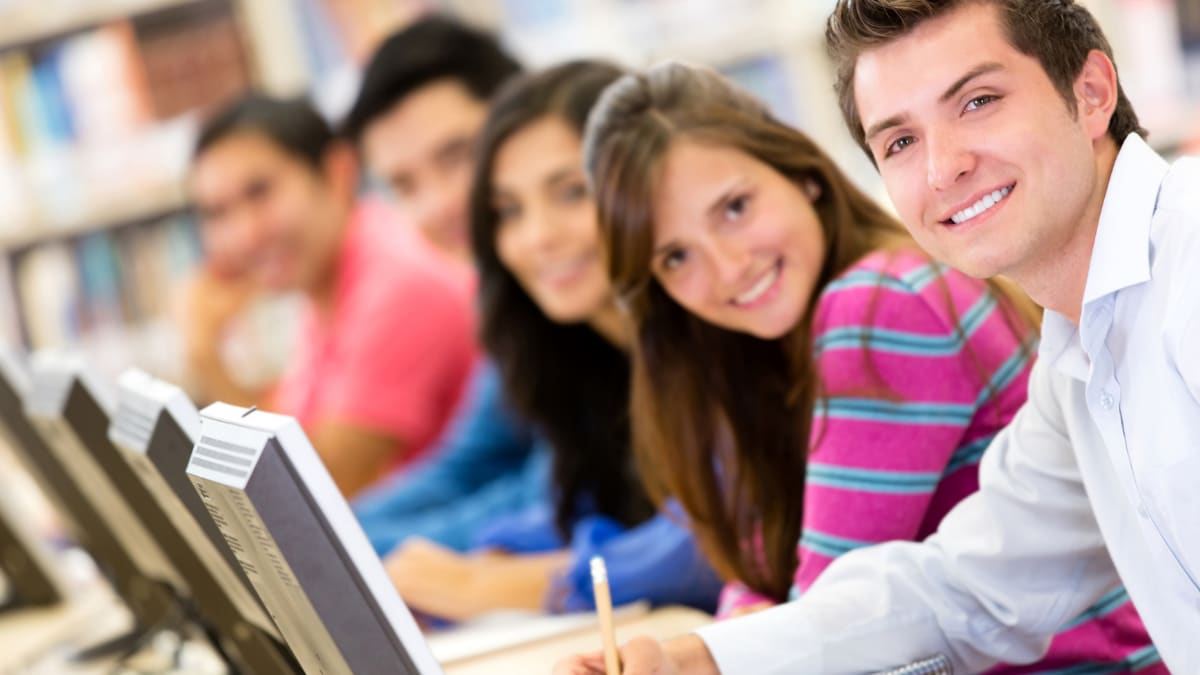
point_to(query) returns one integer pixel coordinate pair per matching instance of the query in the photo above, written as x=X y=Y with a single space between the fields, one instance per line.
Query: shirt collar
x=1059 y=345
x=1121 y=252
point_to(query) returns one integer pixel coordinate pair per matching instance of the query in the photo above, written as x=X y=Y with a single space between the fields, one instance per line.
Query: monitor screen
x=301 y=546
x=155 y=428
x=146 y=596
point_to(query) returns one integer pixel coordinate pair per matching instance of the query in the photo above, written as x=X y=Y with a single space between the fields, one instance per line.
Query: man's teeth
x=758 y=289
x=987 y=202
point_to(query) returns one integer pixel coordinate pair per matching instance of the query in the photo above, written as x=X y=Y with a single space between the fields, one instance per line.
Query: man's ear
x=1096 y=94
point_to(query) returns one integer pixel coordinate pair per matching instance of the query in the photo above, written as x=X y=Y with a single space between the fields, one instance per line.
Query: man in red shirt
x=387 y=334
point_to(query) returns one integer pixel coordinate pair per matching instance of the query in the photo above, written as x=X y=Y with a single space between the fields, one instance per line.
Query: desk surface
x=540 y=657
x=27 y=635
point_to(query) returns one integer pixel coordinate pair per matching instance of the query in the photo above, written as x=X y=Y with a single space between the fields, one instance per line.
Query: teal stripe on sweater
x=872 y=480
x=1104 y=606
x=896 y=412
x=924 y=275
x=904 y=342
x=829 y=545
x=1008 y=371
x=868 y=279
x=911 y=282
x=1139 y=660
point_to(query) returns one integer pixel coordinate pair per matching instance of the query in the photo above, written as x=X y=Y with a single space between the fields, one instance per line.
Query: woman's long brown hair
x=542 y=362
x=721 y=419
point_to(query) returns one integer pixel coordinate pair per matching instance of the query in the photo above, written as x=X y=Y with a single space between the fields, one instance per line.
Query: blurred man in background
x=423 y=101
x=386 y=339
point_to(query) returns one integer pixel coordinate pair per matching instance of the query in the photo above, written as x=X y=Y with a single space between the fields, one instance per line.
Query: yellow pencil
x=612 y=662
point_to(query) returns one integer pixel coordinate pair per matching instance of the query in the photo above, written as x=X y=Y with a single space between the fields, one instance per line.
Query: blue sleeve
x=485 y=451
x=658 y=561
x=458 y=525
x=532 y=529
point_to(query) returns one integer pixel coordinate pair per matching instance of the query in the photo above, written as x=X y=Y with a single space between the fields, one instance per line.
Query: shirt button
x=1142 y=510
x=1107 y=401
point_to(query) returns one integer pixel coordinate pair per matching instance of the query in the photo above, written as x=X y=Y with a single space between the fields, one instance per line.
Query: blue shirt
x=489 y=464
x=1095 y=482
x=489 y=485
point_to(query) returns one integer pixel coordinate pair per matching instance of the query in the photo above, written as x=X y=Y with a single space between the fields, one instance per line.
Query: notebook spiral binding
x=934 y=665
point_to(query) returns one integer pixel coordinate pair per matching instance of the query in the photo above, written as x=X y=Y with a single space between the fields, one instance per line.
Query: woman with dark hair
x=557 y=342
x=807 y=381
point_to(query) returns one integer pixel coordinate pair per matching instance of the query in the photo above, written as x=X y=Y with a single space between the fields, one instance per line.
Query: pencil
x=612 y=662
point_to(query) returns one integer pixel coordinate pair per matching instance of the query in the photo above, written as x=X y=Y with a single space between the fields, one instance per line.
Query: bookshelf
x=99 y=104
x=114 y=174
x=26 y=23
x=775 y=48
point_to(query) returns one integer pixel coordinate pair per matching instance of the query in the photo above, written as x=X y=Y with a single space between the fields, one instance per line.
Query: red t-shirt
x=399 y=344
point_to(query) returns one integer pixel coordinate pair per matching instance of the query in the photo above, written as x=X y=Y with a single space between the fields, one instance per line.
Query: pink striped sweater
x=888 y=465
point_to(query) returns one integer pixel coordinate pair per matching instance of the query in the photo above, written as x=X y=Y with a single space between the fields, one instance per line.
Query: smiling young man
x=1008 y=147
x=423 y=100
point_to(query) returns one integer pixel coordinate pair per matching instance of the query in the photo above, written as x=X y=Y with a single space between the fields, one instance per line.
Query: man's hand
x=645 y=656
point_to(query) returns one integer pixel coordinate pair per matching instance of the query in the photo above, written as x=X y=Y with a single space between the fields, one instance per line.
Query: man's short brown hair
x=1058 y=33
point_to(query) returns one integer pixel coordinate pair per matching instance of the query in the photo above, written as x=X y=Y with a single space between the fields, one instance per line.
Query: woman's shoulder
x=886 y=288
x=905 y=270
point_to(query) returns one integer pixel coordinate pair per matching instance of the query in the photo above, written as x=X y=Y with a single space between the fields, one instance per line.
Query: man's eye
x=980 y=101
x=898 y=145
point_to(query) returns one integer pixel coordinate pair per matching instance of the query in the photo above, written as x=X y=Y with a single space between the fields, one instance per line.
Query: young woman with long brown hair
x=559 y=392
x=806 y=380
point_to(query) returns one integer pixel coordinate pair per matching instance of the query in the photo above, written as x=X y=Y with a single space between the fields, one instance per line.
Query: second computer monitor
x=155 y=428
x=302 y=547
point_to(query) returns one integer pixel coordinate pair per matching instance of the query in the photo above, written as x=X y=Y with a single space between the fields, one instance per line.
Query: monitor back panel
x=146 y=597
x=247 y=635
x=295 y=558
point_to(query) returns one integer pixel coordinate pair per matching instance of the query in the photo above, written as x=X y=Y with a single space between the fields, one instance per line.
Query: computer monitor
x=28 y=568
x=301 y=546
x=148 y=598
x=155 y=428
x=72 y=409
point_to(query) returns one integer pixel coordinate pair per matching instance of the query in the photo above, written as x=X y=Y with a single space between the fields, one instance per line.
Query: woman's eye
x=673 y=259
x=573 y=193
x=505 y=214
x=735 y=208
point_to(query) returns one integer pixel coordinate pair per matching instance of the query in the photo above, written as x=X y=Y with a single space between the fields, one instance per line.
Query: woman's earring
x=812 y=189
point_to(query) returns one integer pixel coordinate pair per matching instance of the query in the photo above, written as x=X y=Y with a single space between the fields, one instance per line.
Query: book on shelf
x=109 y=293
x=193 y=61
x=105 y=83
x=90 y=119
x=86 y=88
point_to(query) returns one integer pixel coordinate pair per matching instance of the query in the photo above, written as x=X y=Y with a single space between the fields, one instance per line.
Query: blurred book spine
x=110 y=293
x=94 y=120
